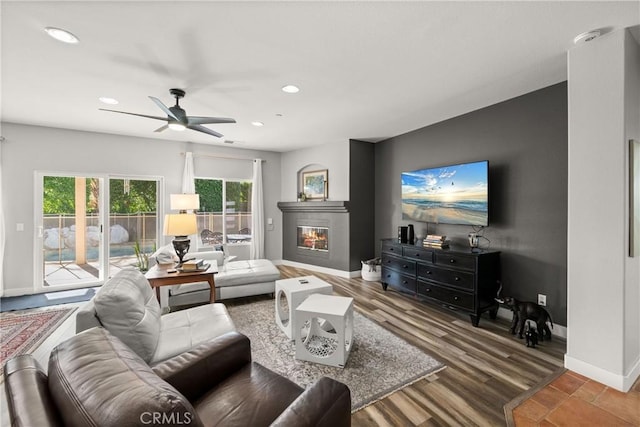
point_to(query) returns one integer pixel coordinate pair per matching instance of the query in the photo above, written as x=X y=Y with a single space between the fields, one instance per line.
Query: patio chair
x=209 y=237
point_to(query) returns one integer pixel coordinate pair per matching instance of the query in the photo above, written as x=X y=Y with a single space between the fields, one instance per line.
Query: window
x=225 y=211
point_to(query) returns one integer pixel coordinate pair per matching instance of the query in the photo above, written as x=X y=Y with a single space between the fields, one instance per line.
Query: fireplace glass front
x=313 y=238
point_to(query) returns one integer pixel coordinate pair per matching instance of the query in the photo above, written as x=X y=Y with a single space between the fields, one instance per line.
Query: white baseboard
x=557 y=331
x=17 y=292
x=620 y=382
x=325 y=270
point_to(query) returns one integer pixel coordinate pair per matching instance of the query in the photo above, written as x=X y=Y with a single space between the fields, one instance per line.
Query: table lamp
x=181 y=226
x=184 y=202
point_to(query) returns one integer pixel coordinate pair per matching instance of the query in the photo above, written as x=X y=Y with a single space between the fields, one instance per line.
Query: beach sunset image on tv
x=457 y=194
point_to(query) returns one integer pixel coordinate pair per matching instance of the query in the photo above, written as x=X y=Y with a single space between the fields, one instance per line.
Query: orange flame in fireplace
x=314 y=238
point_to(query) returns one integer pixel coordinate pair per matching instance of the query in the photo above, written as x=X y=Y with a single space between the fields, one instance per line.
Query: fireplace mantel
x=319 y=206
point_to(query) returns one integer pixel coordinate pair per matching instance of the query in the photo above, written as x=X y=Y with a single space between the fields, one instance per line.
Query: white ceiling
x=367 y=70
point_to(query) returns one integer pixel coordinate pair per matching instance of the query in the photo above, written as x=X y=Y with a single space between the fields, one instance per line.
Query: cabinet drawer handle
x=428 y=271
x=404 y=282
x=452 y=260
x=388 y=261
x=417 y=255
x=388 y=275
x=428 y=290
x=405 y=266
x=391 y=249
x=457 y=279
x=456 y=298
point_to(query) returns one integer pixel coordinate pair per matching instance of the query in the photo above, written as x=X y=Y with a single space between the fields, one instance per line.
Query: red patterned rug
x=22 y=331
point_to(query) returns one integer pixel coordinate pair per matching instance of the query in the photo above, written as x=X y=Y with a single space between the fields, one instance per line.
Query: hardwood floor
x=486 y=366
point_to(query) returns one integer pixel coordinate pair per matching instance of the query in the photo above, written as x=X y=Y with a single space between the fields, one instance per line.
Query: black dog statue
x=523 y=311
x=530 y=335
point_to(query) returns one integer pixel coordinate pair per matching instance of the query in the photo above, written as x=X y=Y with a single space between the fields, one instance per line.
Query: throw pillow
x=127 y=307
x=165 y=255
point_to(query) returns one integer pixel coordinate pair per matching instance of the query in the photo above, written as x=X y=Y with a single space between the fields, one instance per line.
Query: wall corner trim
x=620 y=382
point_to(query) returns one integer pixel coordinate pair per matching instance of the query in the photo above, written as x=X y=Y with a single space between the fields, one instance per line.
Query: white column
x=603 y=320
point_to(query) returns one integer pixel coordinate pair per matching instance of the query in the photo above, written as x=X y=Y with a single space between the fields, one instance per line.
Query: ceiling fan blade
x=136 y=114
x=195 y=120
x=162 y=128
x=164 y=108
x=205 y=130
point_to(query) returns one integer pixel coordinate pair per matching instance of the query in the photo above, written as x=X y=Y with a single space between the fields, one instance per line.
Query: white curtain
x=257 y=212
x=188 y=177
x=2 y=236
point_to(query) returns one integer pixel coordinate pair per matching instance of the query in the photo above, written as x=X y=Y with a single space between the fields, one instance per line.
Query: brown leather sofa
x=96 y=380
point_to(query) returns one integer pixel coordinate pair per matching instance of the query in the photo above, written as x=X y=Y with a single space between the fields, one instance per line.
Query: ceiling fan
x=177 y=118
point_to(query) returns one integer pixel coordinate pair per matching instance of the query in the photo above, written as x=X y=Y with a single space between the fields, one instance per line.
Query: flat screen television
x=455 y=194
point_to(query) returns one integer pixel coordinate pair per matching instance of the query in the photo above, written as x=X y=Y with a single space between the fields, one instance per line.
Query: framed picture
x=634 y=198
x=315 y=184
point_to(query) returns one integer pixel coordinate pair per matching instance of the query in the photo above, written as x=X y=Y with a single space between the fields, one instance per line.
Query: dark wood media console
x=455 y=278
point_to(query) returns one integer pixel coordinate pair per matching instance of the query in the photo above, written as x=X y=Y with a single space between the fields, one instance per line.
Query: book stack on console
x=435 y=241
x=194 y=265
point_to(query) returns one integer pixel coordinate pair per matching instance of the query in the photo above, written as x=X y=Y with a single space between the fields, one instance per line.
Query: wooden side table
x=159 y=275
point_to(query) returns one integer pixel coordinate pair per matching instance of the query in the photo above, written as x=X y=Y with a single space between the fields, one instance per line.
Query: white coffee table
x=294 y=291
x=328 y=337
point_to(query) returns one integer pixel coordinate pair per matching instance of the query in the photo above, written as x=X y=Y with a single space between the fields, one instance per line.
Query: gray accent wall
x=361 y=198
x=525 y=141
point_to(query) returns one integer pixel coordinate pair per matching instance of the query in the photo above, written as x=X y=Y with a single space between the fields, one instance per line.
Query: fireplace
x=325 y=223
x=313 y=238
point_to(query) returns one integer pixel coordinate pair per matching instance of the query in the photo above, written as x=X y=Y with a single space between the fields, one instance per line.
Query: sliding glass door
x=69 y=238
x=89 y=227
x=133 y=220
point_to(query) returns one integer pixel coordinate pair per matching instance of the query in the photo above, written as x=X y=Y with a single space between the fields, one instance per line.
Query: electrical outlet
x=542 y=300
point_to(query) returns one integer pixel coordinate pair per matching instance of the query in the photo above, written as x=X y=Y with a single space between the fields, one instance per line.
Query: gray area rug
x=379 y=364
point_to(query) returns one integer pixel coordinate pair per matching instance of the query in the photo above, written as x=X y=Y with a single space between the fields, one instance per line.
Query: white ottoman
x=317 y=342
x=294 y=291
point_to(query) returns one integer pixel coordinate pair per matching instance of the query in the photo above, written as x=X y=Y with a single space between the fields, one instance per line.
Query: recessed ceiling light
x=278 y=114
x=586 y=37
x=62 y=35
x=290 y=89
x=107 y=100
x=257 y=124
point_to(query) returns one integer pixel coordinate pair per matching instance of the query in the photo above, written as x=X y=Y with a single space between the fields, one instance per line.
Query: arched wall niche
x=310 y=167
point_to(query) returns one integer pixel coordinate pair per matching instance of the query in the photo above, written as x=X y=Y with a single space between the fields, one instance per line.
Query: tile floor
x=575 y=400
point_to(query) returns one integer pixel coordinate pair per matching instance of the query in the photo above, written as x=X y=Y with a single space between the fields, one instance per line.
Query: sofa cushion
x=217 y=256
x=235 y=273
x=182 y=330
x=234 y=401
x=96 y=380
x=127 y=306
x=246 y=272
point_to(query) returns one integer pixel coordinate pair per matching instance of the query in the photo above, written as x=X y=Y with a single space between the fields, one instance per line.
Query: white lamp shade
x=180 y=224
x=183 y=202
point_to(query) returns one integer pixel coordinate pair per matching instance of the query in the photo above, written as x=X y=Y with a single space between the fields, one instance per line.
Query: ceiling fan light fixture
x=290 y=89
x=62 y=35
x=107 y=100
x=177 y=126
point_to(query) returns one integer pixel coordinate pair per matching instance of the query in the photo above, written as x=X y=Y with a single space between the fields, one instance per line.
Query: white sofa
x=234 y=279
x=127 y=306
